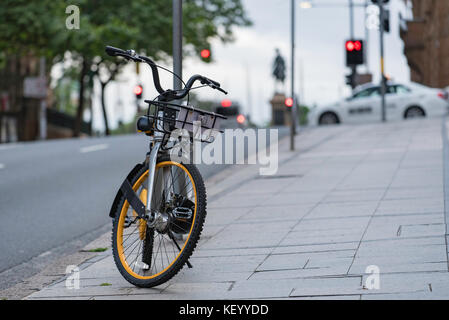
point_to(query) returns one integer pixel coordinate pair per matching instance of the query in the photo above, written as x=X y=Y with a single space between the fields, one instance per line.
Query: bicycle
x=160 y=208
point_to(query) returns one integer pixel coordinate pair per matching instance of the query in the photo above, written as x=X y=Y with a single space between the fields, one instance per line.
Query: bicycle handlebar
x=166 y=94
x=132 y=55
x=115 y=51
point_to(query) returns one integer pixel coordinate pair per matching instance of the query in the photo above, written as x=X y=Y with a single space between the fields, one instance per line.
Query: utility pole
x=382 y=59
x=292 y=72
x=351 y=36
x=301 y=82
x=248 y=93
x=177 y=63
x=43 y=104
x=366 y=38
x=177 y=43
x=351 y=19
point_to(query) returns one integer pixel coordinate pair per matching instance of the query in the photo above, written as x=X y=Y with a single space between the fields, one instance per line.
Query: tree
x=31 y=27
x=106 y=71
x=25 y=35
x=144 y=25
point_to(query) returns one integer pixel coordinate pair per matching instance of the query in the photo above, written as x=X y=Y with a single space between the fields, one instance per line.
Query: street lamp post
x=177 y=62
x=177 y=44
x=292 y=73
x=382 y=59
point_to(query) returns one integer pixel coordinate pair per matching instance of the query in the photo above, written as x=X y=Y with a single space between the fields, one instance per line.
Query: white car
x=402 y=101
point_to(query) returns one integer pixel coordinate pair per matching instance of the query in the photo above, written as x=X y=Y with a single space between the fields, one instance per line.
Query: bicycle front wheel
x=149 y=256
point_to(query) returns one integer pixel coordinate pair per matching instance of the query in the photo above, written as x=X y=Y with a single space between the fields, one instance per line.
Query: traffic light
x=289 y=102
x=354 y=52
x=350 y=80
x=226 y=103
x=138 y=90
x=205 y=55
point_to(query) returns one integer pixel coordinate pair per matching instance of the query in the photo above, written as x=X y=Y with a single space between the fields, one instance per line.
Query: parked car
x=231 y=110
x=402 y=102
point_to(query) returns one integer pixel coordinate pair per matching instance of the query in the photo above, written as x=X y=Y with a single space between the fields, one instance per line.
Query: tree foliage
x=33 y=26
x=39 y=27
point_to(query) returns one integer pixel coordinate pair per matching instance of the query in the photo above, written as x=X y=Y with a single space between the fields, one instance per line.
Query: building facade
x=426 y=41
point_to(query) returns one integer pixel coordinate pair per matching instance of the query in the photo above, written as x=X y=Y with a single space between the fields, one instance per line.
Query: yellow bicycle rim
x=123 y=214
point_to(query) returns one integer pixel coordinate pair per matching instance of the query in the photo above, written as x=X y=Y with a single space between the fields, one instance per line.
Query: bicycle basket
x=177 y=116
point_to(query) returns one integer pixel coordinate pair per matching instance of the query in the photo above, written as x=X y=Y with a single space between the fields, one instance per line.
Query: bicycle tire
x=122 y=211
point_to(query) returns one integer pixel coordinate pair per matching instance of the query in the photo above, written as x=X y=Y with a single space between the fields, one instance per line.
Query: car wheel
x=328 y=118
x=414 y=112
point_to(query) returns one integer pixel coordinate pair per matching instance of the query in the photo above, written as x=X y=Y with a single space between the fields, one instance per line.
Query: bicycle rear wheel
x=147 y=257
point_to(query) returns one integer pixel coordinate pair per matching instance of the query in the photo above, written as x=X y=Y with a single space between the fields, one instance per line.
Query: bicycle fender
x=120 y=192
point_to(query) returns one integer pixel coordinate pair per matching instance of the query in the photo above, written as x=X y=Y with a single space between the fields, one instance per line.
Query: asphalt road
x=53 y=192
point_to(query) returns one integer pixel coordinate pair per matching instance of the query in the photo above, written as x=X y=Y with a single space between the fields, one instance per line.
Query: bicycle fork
x=156 y=217
x=152 y=160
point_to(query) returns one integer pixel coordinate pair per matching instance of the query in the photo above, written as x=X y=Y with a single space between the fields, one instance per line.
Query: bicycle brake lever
x=219 y=89
x=212 y=84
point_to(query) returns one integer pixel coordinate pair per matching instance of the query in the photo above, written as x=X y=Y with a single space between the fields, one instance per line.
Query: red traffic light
x=353 y=45
x=226 y=103
x=205 y=53
x=289 y=102
x=354 y=52
x=138 y=90
x=349 y=45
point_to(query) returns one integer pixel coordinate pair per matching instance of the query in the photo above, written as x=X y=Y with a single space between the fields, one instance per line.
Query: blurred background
x=43 y=61
x=57 y=82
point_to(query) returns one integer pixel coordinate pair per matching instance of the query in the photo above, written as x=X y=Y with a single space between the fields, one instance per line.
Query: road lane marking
x=44 y=254
x=8 y=146
x=94 y=148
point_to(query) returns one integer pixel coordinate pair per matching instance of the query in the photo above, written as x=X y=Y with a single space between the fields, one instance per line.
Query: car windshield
x=400 y=89
x=373 y=91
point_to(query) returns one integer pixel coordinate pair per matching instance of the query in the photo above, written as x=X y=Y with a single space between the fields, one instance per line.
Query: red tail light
x=241 y=119
x=443 y=95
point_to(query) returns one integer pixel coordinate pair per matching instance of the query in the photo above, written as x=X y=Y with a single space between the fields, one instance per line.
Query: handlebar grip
x=215 y=83
x=113 y=52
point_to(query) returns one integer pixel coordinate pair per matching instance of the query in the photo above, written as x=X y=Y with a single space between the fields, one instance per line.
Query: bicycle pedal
x=182 y=213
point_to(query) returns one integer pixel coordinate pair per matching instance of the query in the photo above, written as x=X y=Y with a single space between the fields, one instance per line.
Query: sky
x=244 y=67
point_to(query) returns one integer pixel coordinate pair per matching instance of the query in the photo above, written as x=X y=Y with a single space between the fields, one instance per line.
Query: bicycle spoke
x=157 y=252
x=172 y=188
x=137 y=256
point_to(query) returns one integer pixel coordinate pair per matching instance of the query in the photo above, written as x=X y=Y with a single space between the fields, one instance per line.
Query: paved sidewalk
x=351 y=197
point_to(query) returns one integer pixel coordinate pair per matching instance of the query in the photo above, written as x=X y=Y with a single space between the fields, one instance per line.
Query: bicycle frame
x=158 y=136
